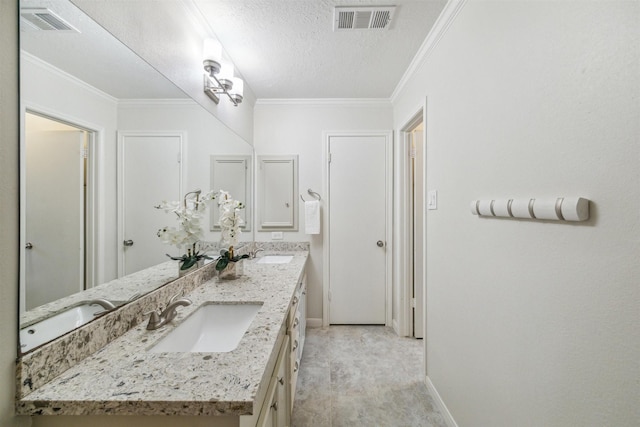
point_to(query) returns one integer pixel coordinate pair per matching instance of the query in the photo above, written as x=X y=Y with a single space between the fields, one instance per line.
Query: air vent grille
x=43 y=20
x=362 y=18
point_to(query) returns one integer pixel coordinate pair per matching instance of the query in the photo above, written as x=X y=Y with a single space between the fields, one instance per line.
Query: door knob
x=28 y=245
x=128 y=242
x=380 y=243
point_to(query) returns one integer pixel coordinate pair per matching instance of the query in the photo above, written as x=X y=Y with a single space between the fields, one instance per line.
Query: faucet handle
x=154 y=319
x=173 y=298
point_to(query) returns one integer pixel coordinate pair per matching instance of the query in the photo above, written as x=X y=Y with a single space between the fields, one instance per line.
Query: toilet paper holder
x=555 y=209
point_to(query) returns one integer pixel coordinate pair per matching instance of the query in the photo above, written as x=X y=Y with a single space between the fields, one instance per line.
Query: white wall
x=534 y=323
x=9 y=222
x=295 y=127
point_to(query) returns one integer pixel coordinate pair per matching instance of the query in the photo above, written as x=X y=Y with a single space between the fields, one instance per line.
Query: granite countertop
x=124 y=378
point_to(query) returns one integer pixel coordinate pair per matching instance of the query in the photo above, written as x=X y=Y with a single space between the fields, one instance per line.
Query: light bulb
x=238 y=86
x=237 y=90
x=212 y=52
x=226 y=71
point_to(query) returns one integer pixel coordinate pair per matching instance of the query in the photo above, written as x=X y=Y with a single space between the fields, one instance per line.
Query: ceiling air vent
x=362 y=18
x=43 y=19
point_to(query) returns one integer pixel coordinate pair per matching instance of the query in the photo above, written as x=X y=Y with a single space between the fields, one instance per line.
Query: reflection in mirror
x=105 y=138
x=232 y=173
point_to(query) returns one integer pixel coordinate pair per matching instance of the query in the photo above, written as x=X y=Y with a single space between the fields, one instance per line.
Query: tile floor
x=354 y=376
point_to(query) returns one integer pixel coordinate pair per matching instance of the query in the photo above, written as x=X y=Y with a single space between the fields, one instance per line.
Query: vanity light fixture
x=220 y=77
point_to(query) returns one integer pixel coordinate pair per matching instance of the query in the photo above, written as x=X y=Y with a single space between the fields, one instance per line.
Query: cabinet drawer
x=294 y=311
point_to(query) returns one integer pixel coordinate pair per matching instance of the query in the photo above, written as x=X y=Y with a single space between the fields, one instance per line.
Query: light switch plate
x=432 y=200
x=277 y=235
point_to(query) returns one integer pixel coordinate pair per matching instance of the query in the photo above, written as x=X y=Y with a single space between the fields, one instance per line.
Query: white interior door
x=357 y=229
x=54 y=215
x=418 y=233
x=150 y=172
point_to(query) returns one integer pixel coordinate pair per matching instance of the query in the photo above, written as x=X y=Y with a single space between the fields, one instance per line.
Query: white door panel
x=150 y=172
x=418 y=234
x=357 y=221
x=54 y=215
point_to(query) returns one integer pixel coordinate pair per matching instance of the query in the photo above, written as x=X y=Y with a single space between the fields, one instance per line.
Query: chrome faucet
x=253 y=253
x=158 y=319
x=104 y=303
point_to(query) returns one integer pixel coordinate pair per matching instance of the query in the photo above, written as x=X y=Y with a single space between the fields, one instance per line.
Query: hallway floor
x=362 y=376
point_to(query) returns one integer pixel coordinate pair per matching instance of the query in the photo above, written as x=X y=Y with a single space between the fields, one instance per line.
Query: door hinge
x=412 y=152
x=413 y=303
x=84 y=153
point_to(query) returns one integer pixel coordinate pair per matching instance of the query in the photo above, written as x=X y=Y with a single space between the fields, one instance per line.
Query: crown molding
x=442 y=24
x=339 y=102
x=34 y=60
x=150 y=103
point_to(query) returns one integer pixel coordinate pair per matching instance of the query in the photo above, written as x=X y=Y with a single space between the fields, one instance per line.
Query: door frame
x=404 y=238
x=94 y=230
x=121 y=135
x=326 y=136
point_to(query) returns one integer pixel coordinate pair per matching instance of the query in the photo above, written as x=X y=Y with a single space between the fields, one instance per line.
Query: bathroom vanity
x=253 y=384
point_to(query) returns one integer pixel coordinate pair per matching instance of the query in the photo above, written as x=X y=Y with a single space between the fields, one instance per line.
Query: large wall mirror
x=104 y=138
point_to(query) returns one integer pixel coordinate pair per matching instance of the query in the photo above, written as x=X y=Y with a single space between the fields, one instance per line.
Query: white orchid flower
x=230 y=220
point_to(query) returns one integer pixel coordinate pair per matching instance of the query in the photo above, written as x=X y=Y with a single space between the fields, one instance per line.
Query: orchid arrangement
x=189 y=231
x=230 y=223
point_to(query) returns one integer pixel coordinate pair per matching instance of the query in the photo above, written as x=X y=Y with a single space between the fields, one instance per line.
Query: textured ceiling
x=287 y=48
x=282 y=48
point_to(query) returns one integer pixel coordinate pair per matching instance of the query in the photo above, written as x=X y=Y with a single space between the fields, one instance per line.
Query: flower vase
x=194 y=267
x=233 y=270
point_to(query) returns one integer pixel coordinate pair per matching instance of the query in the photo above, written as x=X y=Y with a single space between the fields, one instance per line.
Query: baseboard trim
x=446 y=415
x=314 y=323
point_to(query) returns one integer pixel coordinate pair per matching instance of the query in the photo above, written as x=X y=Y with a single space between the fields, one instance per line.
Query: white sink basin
x=275 y=259
x=212 y=328
x=56 y=325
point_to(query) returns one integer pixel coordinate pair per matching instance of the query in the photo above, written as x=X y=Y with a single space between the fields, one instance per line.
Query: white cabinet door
x=283 y=408
x=276 y=410
x=278 y=192
x=149 y=172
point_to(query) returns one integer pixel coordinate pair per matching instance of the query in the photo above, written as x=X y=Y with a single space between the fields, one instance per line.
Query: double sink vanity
x=230 y=355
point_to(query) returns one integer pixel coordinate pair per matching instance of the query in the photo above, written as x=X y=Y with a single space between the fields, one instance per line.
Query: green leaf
x=222 y=263
x=177 y=258
x=239 y=257
x=188 y=263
